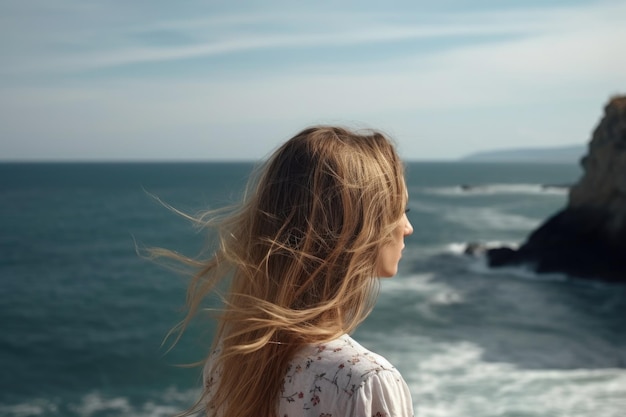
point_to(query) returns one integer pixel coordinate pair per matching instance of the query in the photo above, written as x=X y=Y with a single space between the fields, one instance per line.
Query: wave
x=449 y=379
x=36 y=407
x=488 y=218
x=424 y=288
x=476 y=263
x=96 y=403
x=462 y=248
x=491 y=189
x=478 y=218
x=459 y=382
x=474 y=254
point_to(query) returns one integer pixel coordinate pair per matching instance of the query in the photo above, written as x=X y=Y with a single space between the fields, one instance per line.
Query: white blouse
x=339 y=379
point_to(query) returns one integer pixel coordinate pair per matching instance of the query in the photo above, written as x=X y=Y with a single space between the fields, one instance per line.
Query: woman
x=301 y=255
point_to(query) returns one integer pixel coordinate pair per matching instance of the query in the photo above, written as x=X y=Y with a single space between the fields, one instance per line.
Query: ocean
x=84 y=317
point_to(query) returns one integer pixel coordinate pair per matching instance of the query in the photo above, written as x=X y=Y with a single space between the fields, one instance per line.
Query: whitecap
x=450 y=379
x=426 y=293
x=461 y=248
x=94 y=402
x=170 y=402
x=35 y=408
x=456 y=381
x=489 y=218
x=492 y=189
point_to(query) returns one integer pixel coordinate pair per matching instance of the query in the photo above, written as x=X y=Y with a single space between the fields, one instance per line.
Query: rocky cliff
x=587 y=239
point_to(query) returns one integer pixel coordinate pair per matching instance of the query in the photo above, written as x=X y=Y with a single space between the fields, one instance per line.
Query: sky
x=142 y=80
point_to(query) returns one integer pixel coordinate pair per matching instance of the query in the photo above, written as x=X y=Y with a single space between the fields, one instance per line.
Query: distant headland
x=560 y=155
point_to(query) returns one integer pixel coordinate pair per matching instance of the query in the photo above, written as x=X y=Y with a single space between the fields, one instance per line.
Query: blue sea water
x=83 y=316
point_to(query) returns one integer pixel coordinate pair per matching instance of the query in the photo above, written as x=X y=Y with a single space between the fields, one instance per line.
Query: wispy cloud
x=108 y=57
x=83 y=48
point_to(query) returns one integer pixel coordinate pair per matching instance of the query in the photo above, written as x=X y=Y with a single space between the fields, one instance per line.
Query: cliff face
x=603 y=184
x=587 y=239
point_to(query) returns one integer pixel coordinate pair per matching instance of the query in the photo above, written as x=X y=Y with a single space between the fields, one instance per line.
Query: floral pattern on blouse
x=342 y=379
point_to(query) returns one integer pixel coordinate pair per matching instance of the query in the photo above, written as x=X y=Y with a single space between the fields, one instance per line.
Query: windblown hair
x=301 y=256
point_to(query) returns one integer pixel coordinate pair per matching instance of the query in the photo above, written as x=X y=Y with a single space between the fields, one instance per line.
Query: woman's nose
x=408 y=228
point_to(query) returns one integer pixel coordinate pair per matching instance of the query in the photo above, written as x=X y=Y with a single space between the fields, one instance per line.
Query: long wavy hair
x=300 y=254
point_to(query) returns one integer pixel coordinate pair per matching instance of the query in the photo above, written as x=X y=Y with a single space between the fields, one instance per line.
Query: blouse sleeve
x=384 y=394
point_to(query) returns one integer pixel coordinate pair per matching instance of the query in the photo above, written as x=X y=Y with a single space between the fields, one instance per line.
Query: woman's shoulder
x=342 y=352
x=342 y=363
x=341 y=377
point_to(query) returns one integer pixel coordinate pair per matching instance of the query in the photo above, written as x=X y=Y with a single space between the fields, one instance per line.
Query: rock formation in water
x=587 y=239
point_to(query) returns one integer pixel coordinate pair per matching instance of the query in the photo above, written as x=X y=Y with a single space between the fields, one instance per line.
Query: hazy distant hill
x=564 y=154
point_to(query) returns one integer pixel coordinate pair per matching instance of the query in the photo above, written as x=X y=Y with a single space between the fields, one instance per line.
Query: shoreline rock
x=587 y=239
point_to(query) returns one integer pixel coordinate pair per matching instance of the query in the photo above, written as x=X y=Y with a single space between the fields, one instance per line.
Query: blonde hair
x=300 y=254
